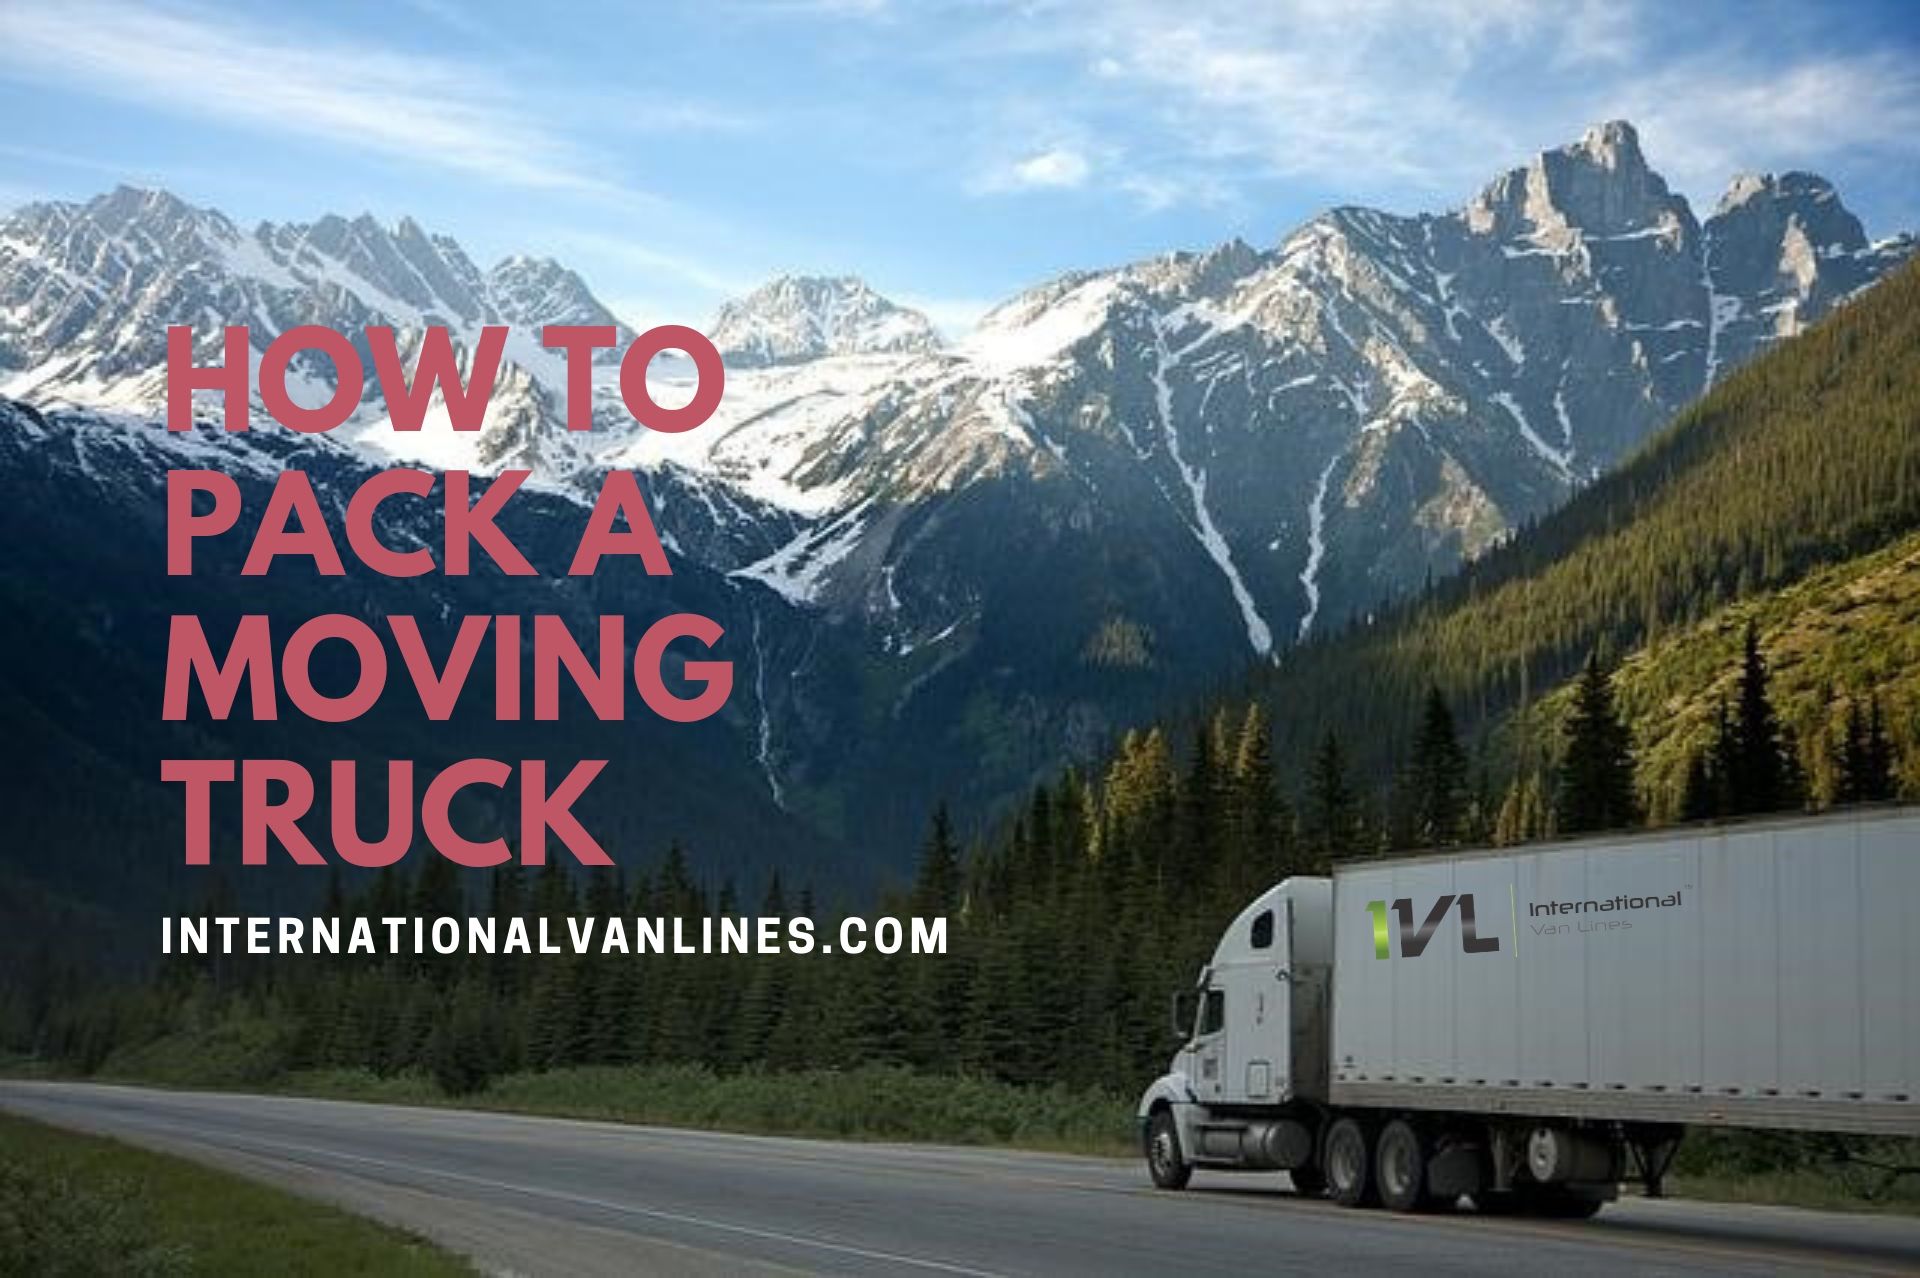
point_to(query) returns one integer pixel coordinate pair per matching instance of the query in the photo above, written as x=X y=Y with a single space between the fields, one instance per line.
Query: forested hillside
x=1843 y=649
x=1805 y=458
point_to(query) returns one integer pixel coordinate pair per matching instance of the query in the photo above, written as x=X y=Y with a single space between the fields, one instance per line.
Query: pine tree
x=462 y=1052
x=1699 y=793
x=1764 y=775
x=1723 y=760
x=936 y=892
x=1329 y=809
x=1523 y=813
x=1204 y=803
x=1876 y=783
x=1850 y=770
x=1437 y=777
x=1595 y=789
x=1260 y=816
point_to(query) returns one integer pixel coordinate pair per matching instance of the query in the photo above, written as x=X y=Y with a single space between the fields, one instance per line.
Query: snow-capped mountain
x=87 y=292
x=1122 y=485
x=1332 y=420
x=803 y=317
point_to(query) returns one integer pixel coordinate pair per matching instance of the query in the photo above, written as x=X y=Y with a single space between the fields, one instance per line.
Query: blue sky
x=951 y=151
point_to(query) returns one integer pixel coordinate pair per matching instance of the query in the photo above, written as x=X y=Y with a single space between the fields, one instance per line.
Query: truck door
x=1210 y=1043
x=1257 y=1014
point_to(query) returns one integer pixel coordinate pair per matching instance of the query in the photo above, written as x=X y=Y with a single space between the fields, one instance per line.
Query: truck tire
x=1166 y=1162
x=1348 y=1164
x=1400 y=1167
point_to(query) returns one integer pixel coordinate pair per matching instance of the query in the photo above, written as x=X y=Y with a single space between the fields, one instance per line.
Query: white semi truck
x=1532 y=1026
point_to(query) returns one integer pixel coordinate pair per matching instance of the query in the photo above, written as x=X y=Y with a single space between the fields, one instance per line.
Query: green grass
x=1820 y=1190
x=1785 y=1170
x=74 y=1206
x=873 y=1103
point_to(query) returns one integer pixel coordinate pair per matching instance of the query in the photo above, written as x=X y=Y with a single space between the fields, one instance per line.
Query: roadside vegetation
x=1789 y=1170
x=76 y=1206
x=873 y=1103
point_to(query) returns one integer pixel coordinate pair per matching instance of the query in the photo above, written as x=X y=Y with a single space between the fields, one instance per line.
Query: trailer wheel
x=1348 y=1164
x=1400 y=1166
x=1165 y=1162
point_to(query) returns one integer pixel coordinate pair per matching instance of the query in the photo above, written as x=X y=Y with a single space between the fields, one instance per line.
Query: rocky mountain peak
x=1768 y=203
x=1600 y=186
x=1614 y=145
x=800 y=317
x=536 y=291
x=128 y=205
x=1781 y=250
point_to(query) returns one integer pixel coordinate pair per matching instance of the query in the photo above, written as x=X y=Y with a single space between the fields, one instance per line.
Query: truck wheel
x=1400 y=1167
x=1348 y=1164
x=1308 y=1180
x=1165 y=1163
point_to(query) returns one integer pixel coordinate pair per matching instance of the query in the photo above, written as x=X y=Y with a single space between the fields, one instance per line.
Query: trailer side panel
x=1765 y=974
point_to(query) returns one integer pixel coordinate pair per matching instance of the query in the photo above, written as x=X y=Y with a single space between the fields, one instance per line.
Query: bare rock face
x=1782 y=251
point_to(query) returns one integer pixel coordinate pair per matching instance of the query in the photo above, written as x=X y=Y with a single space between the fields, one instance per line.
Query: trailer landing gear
x=1651 y=1148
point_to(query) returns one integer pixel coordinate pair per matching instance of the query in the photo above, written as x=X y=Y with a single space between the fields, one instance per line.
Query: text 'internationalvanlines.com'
x=589 y=934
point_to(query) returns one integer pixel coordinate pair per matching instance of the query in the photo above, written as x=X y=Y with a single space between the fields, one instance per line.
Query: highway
x=539 y=1196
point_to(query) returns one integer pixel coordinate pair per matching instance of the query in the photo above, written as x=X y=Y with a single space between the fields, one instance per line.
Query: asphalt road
x=540 y=1196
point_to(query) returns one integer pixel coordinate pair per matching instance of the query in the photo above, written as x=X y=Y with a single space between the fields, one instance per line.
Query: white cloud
x=1416 y=102
x=1705 y=120
x=1056 y=166
x=1052 y=168
x=425 y=110
x=1320 y=89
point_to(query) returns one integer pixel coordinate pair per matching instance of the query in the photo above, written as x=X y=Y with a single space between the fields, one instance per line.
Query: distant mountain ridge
x=955 y=564
x=798 y=317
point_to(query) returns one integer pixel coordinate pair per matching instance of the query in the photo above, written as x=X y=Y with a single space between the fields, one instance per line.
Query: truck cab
x=1249 y=1091
x=1244 y=1090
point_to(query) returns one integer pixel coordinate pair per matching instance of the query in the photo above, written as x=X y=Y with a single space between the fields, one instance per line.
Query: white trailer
x=1531 y=1026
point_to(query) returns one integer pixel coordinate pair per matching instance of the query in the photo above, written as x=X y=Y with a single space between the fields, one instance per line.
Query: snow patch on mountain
x=1557 y=456
x=798 y=570
x=803 y=317
x=1037 y=328
x=1316 y=548
x=1259 y=634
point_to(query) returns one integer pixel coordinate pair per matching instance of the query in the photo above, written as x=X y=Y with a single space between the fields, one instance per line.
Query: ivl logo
x=1413 y=941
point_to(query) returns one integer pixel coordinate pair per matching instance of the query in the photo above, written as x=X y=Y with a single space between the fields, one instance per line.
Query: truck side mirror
x=1185 y=1004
